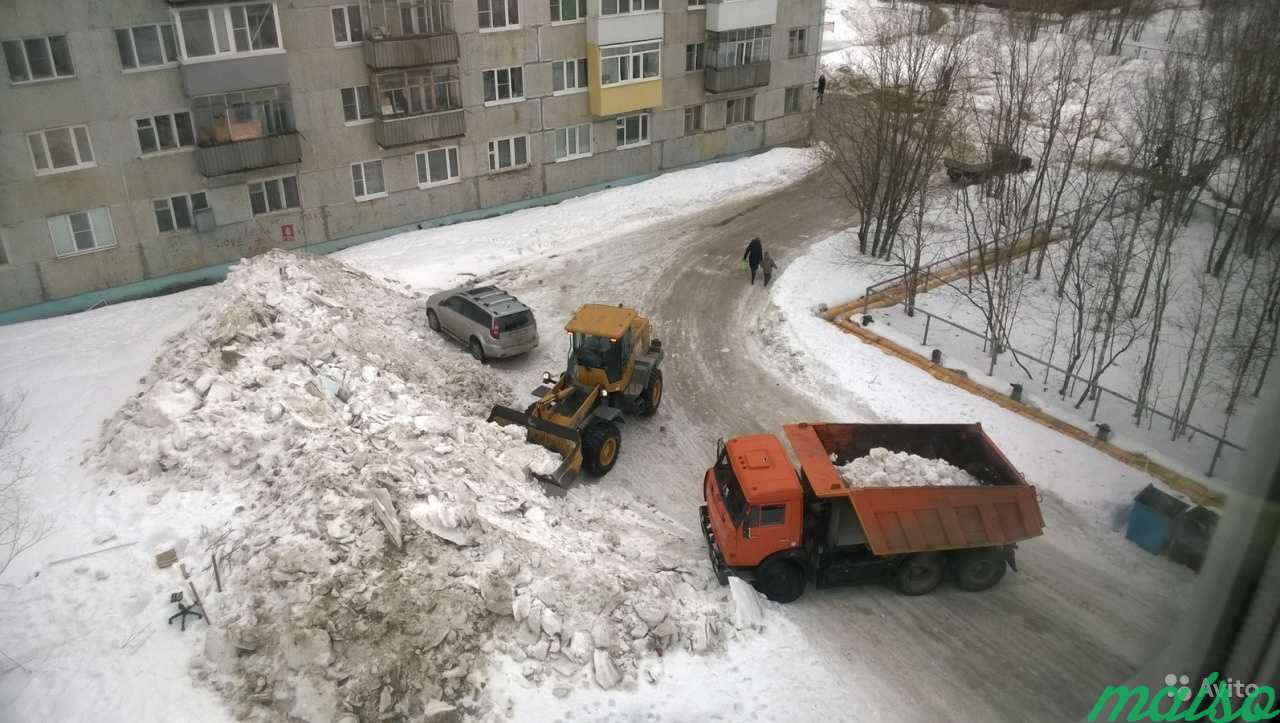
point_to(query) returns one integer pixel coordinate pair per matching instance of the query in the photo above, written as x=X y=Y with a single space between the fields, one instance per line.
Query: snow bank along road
x=1039 y=646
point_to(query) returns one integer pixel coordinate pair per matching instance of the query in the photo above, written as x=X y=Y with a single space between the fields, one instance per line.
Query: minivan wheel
x=477 y=351
x=432 y=320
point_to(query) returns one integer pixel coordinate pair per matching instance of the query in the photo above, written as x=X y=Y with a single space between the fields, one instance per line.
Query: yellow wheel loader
x=612 y=368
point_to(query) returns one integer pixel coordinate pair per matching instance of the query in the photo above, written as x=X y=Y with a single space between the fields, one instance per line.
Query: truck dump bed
x=897 y=520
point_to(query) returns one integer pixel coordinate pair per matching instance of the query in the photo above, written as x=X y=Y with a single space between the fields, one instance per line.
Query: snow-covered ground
x=84 y=639
x=848 y=374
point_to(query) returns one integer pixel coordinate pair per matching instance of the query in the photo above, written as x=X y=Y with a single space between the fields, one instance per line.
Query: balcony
x=628 y=28
x=246 y=155
x=736 y=14
x=723 y=80
x=406 y=52
x=403 y=131
x=235 y=73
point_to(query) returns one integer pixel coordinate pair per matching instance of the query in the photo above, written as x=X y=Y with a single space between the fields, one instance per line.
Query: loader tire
x=600 y=447
x=651 y=397
x=978 y=570
x=432 y=320
x=920 y=574
x=782 y=581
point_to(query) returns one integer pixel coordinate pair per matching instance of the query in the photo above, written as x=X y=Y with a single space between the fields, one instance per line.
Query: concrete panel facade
x=109 y=101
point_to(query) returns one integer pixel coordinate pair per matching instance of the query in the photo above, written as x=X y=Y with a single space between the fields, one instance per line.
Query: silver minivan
x=488 y=321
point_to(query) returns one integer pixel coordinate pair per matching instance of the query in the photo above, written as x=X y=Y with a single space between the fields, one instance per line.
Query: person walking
x=755 y=250
x=822 y=86
x=767 y=266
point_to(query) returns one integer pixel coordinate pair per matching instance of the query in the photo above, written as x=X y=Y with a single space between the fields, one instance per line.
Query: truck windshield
x=730 y=491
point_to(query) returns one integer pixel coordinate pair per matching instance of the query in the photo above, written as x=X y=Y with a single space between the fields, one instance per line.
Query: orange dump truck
x=779 y=527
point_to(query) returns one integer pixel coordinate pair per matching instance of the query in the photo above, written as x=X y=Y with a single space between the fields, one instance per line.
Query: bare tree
x=880 y=146
x=21 y=527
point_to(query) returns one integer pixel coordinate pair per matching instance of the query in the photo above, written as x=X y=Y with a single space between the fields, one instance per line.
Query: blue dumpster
x=1191 y=536
x=1151 y=522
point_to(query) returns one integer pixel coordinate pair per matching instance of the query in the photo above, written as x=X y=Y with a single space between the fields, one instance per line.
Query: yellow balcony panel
x=614 y=99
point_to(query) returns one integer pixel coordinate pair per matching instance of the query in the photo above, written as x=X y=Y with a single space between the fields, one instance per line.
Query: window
x=565 y=11
x=438 y=165
x=230 y=117
x=498 y=14
x=739 y=110
x=623 y=63
x=38 y=59
x=768 y=515
x=623 y=7
x=503 y=84
x=739 y=47
x=75 y=233
x=633 y=130
x=507 y=153
x=692 y=118
x=164 y=132
x=697 y=4
x=366 y=180
x=146 y=46
x=573 y=142
x=420 y=17
x=228 y=30
x=568 y=76
x=274 y=194
x=414 y=92
x=791 y=101
x=61 y=149
x=178 y=212
x=796 y=41
x=693 y=56
x=347 y=27
x=355 y=104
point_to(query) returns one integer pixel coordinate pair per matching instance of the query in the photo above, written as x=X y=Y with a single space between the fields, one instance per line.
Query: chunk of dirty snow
x=385 y=511
x=309 y=646
x=607 y=675
x=438 y=711
x=883 y=468
x=580 y=646
x=315 y=701
x=167 y=402
x=446 y=521
x=747 y=611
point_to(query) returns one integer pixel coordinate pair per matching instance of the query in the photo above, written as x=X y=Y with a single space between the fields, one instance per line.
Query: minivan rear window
x=518 y=320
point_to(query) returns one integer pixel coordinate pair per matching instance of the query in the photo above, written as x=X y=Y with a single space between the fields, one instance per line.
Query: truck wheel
x=781 y=581
x=600 y=447
x=919 y=575
x=651 y=397
x=979 y=570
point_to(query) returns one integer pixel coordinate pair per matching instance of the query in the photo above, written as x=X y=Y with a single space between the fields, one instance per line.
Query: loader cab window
x=598 y=352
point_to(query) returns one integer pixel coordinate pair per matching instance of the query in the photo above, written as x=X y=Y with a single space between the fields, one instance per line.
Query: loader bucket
x=566 y=441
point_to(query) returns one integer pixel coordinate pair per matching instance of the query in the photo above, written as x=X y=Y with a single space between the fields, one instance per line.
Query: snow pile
x=882 y=468
x=389 y=542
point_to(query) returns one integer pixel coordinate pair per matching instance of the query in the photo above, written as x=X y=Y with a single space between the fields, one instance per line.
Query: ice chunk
x=448 y=522
x=747 y=611
x=607 y=675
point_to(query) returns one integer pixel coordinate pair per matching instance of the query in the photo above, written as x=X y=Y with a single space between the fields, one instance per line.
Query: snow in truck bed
x=882 y=468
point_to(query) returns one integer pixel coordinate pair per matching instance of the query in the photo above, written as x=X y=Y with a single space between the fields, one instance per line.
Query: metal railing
x=1095 y=390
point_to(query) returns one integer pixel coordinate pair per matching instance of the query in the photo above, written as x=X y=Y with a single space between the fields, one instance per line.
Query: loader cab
x=602 y=339
x=755 y=501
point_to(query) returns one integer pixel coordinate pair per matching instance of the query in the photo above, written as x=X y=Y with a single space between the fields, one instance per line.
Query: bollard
x=1016 y=394
x=936 y=356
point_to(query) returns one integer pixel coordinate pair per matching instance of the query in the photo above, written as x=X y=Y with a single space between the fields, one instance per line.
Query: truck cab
x=755 y=504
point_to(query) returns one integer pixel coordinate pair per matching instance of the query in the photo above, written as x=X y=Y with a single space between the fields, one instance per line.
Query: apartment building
x=142 y=138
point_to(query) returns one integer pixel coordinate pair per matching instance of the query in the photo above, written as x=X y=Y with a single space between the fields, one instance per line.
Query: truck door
x=767 y=531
